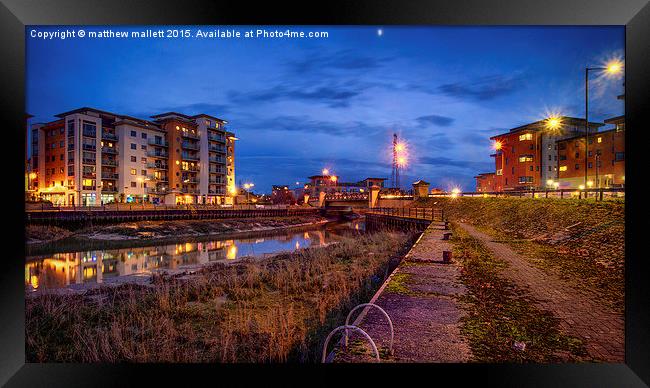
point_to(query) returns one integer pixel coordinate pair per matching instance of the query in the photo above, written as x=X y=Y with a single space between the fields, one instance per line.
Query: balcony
x=89 y=147
x=214 y=181
x=89 y=133
x=109 y=136
x=158 y=190
x=189 y=135
x=217 y=192
x=109 y=162
x=220 y=139
x=214 y=159
x=157 y=154
x=190 y=169
x=185 y=156
x=109 y=150
x=89 y=161
x=90 y=175
x=110 y=175
x=190 y=146
x=158 y=143
x=157 y=166
x=187 y=190
x=110 y=189
x=221 y=150
x=191 y=180
x=217 y=171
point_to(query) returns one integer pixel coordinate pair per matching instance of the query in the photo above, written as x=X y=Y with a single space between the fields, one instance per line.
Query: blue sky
x=299 y=105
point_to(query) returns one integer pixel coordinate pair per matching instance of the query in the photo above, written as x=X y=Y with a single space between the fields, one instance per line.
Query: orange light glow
x=497 y=145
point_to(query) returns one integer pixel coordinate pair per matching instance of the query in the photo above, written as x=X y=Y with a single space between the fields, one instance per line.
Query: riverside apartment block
x=91 y=157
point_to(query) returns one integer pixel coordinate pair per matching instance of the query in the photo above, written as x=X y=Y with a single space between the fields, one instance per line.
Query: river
x=82 y=269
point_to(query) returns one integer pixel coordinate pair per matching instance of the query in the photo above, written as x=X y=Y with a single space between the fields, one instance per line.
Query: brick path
x=581 y=314
x=421 y=299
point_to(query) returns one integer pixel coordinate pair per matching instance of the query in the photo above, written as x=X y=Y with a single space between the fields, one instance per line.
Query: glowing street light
x=497 y=145
x=612 y=68
x=326 y=171
x=334 y=178
x=401 y=161
x=399 y=147
x=581 y=187
x=550 y=182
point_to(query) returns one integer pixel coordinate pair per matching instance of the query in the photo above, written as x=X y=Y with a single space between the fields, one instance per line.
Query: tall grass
x=273 y=310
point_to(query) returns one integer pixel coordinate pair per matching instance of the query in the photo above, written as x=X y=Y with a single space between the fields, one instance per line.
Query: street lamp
x=248 y=186
x=498 y=146
x=614 y=67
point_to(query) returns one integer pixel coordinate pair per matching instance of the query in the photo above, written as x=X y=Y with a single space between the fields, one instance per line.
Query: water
x=84 y=268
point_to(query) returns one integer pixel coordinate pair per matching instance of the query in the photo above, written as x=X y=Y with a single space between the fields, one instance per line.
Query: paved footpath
x=421 y=297
x=581 y=314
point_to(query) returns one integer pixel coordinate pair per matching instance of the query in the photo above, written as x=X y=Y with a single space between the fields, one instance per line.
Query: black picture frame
x=634 y=14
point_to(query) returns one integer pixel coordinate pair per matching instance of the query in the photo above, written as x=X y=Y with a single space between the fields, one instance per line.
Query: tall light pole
x=612 y=68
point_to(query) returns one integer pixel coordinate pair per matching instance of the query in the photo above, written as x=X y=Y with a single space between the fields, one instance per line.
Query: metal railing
x=390 y=323
x=348 y=328
x=422 y=213
x=596 y=193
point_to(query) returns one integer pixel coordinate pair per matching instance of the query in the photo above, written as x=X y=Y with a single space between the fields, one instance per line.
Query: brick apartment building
x=605 y=158
x=89 y=156
x=486 y=182
x=527 y=156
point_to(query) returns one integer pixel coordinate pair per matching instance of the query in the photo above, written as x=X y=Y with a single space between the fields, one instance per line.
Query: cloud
x=335 y=96
x=308 y=125
x=441 y=161
x=441 y=121
x=346 y=60
x=482 y=89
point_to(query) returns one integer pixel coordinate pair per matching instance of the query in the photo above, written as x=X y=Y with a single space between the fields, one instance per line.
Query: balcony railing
x=89 y=147
x=90 y=175
x=217 y=171
x=158 y=190
x=159 y=143
x=109 y=150
x=221 y=150
x=220 y=139
x=190 y=169
x=112 y=189
x=189 y=135
x=110 y=175
x=90 y=133
x=157 y=154
x=109 y=136
x=157 y=166
x=189 y=157
x=190 y=146
x=213 y=159
x=108 y=162
x=89 y=161
x=189 y=191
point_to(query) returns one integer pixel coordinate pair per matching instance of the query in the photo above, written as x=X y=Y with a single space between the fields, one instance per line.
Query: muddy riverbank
x=40 y=240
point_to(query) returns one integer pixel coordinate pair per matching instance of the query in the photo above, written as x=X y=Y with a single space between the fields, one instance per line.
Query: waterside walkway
x=422 y=298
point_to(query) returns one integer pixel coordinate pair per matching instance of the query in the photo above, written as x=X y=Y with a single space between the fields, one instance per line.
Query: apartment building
x=527 y=156
x=605 y=158
x=92 y=157
x=486 y=182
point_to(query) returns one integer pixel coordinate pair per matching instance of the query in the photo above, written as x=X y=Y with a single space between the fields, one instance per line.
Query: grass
x=499 y=313
x=274 y=310
x=581 y=241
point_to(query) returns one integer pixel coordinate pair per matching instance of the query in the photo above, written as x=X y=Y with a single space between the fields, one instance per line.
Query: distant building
x=605 y=158
x=282 y=195
x=526 y=157
x=331 y=184
x=486 y=182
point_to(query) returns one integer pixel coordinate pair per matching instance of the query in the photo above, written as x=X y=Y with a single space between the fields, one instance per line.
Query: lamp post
x=248 y=186
x=498 y=146
x=612 y=68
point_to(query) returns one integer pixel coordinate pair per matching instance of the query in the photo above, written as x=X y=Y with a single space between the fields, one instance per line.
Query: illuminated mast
x=395 y=174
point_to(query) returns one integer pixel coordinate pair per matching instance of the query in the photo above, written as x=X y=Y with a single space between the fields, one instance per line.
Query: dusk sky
x=299 y=105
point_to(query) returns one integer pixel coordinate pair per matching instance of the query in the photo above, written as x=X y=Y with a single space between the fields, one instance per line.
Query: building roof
x=420 y=182
x=484 y=174
x=581 y=136
x=376 y=179
x=208 y=116
x=537 y=124
x=86 y=109
x=615 y=120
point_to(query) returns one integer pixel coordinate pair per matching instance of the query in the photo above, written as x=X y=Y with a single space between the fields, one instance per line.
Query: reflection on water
x=67 y=268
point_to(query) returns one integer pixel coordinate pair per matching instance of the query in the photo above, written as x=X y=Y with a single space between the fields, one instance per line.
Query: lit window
x=526 y=158
x=499 y=172
x=563 y=168
x=88 y=182
x=133 y=171
x=526 y=136
x=600 y=139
